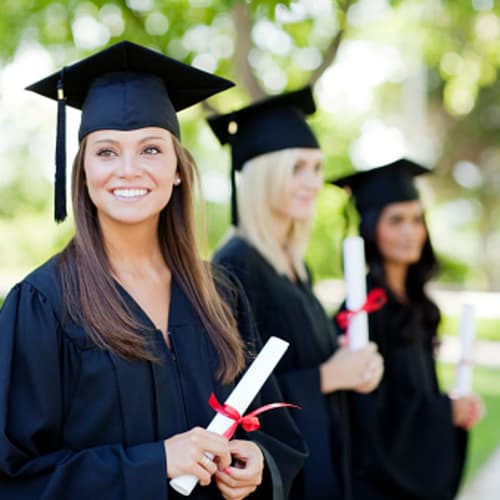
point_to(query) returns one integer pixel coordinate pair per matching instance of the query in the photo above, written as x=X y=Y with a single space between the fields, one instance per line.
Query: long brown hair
x=86 y=275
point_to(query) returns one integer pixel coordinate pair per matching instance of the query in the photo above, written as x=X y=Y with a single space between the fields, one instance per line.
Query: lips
x=129 y=193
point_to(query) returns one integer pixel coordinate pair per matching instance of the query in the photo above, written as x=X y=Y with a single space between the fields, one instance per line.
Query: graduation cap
x=390 y=183
x=265 y=126
x=124 y=87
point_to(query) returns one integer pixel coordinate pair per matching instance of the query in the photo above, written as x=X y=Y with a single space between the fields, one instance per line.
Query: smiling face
x=401 y=232
x=130 y=174
x=297 y=202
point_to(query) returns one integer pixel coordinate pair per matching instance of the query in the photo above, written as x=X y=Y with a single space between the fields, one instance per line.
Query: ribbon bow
x=374 y=301
x=249 y=422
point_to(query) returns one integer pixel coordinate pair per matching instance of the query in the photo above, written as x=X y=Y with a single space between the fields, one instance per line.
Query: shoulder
x=45 y=280
x=236 y=250
x=39 y=290
x=244 y=260
x=46 y=277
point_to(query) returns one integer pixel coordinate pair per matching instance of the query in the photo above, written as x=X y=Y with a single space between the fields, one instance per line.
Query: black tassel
x=60 y=177
x=234 y=204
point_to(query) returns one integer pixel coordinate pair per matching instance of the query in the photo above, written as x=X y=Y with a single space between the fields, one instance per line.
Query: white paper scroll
x=355 y=279
x=467 y=332
x=240 y=398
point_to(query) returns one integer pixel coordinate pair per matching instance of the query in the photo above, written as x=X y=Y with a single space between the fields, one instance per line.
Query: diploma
x=467 y=332
x=240 y=398
x=355 y=279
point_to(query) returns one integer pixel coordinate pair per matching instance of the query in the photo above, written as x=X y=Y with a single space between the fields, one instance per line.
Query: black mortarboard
x=272 y=124
x=123 y=87
x=377 y=187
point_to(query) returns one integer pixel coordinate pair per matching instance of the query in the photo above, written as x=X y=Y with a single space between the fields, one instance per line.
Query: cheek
x=423 y=235
x=385 y=238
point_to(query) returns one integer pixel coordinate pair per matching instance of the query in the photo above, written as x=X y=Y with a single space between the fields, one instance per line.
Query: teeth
x=129 y=193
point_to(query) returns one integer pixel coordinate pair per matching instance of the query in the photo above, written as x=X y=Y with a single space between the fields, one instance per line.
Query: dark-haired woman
x=408 y=439
x=109 y=351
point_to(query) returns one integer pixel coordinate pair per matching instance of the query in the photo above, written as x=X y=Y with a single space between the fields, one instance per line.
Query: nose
x=129 y=167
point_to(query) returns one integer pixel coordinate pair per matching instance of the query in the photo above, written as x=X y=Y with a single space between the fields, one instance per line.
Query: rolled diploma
x=355 y=278
x=240 y=398
x=467 y=332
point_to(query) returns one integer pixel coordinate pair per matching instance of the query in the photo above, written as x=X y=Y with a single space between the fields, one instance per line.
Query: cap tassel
x=234 y=204
x=60 y=177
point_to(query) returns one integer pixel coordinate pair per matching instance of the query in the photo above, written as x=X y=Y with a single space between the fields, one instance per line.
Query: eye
x=318 y=168
x=298 y=167
x=394 y=220
x=151 y=150
x=106 y=152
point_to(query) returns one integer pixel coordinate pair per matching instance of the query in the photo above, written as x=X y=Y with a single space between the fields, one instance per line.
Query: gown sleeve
x=279 y=439
x=35 y=461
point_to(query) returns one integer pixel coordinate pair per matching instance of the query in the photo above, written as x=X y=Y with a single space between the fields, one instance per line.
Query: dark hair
x=424 y=311
x=86 y=274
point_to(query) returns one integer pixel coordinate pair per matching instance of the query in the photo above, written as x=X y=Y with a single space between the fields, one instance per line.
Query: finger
x=213 y=444
x=235 y=482
x=234 y=493
x=208 y=464
x=203 y=476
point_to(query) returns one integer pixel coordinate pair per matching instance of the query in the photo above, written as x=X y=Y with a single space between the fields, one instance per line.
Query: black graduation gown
x=403 y=443
x=291 y=311
x=78 y=422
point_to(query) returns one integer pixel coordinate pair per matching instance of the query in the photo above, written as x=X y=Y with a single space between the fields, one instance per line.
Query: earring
x=177 y=181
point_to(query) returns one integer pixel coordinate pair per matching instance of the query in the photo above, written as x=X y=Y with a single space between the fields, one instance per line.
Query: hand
x=186 y=454
x=239 y=481
x=466 y=410
x=358 y=370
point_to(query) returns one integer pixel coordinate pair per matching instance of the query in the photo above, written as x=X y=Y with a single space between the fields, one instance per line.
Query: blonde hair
x=262 y=187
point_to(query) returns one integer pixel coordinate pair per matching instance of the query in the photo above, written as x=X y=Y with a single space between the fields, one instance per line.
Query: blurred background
x=391 y=78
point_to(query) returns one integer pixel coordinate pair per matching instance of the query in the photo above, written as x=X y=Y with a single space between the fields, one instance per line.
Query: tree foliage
x=444 y=54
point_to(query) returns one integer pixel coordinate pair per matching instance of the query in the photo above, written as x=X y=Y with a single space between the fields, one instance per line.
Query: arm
x=35 y=462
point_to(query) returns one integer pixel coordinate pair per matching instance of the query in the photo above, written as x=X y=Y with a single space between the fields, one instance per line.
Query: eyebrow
x=144 y=139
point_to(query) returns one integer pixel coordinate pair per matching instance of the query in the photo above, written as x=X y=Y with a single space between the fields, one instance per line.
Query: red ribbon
x=374 y=301
x=249 y=422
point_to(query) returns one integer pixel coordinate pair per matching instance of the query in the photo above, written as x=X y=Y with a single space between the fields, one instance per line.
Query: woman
x=281 y=175
x=408 y=439
x=110 y=351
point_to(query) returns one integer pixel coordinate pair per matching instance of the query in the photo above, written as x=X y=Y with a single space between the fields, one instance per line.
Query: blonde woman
x=109 y=351
x=281 y=174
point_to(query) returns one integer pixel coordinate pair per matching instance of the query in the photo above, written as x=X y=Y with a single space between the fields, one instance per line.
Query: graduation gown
x=291 y=311
x=404 y=445
x=79 y=422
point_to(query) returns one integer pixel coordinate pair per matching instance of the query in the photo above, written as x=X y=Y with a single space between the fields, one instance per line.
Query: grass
x=485 y=436
x=486 y=328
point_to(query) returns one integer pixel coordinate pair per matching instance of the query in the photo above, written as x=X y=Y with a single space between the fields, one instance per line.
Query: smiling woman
x=110 y=351
x=130 y=174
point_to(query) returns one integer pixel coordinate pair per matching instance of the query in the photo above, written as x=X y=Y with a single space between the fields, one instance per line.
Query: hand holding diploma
x=230 y=415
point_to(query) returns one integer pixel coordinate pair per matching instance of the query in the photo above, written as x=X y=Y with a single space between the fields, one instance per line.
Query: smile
x=128 y=194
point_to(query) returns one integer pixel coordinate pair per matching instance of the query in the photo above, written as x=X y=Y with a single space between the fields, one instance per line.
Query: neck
x=132 y=247
x=395 y=276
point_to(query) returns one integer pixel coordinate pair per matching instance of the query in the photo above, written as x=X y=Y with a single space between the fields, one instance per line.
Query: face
x=401 y=232
x=130 y=174
x=303 y=186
